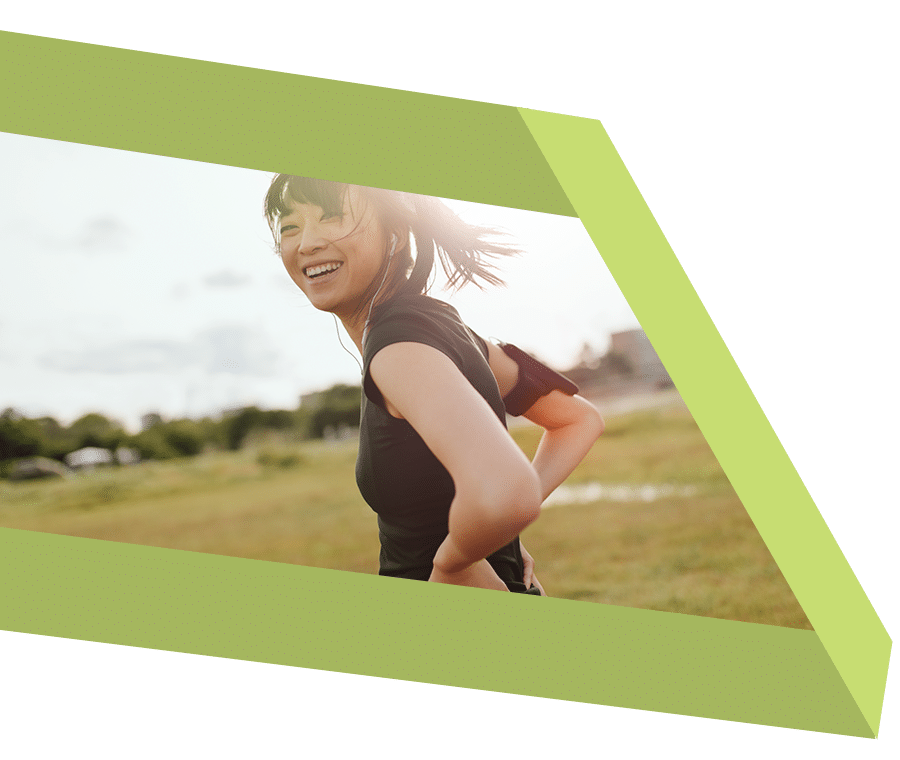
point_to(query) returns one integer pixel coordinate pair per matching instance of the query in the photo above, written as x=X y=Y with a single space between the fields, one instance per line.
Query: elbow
x=597 y=423
x=515 y=500
x=591 y=420
x=525 y=506
x=503 y=505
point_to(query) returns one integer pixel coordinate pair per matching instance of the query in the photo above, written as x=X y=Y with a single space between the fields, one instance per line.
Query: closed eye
x=328 y=215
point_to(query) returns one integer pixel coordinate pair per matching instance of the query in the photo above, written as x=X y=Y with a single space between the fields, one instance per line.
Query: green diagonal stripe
x=642 y=263
x=258 y=119
x=331 y=620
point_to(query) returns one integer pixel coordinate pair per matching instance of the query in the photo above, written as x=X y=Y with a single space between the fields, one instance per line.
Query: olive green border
x=832 y=680
x=273 y=122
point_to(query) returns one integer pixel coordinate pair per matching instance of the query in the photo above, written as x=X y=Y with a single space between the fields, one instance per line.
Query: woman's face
x=333 y=258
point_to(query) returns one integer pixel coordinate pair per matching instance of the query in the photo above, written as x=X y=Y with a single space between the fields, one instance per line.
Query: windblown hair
x=466 y=252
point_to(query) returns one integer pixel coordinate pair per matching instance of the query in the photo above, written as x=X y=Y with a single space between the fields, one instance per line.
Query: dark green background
x=762 y=137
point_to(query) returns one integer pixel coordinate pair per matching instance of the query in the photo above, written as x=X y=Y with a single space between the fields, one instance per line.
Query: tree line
x=22 y=437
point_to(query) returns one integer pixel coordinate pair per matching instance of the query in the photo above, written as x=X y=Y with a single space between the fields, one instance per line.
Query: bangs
x=287 y=190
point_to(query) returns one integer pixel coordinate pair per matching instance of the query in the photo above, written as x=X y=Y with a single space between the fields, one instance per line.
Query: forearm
x=562 y=449
x=478 y=575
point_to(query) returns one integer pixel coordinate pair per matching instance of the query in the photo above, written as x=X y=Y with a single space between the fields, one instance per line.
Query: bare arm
x=571 y=426
x=498 y=493
x=571 y=423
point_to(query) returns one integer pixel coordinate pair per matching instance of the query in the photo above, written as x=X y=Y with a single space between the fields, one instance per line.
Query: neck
x=355 y=324
x=354 y=327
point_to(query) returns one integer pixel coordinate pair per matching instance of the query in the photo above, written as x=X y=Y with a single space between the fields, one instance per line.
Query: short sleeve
x=403 y=322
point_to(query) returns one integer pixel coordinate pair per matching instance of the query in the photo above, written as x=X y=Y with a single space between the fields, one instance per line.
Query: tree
x=57 y=440
x=152 y=444
x=339 y=406
x=213 y=431
x=94 y=429
x=279 y=419
x=19 y=437
x=184 y=436
x=168 y=440
x=240 y=424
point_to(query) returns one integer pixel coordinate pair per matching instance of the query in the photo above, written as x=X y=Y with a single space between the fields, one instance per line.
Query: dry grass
x=700 y=556
x=310 y=513
x=299 y=504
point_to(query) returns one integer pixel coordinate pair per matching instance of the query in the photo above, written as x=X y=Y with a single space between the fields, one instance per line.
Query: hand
x=530 y=578
x=477 y=575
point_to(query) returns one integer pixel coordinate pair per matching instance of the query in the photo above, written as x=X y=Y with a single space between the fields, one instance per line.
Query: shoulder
x=416 y=319
x=411 y=320
x=410 y=372
x=411 y=312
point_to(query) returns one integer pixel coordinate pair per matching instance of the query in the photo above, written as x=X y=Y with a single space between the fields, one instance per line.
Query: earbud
x=393 y=246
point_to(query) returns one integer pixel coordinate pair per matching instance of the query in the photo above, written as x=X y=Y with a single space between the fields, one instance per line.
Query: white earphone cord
x=371 y=304
x=340 y=340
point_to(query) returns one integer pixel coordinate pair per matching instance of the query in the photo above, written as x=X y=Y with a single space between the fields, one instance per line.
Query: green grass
x=699 y=555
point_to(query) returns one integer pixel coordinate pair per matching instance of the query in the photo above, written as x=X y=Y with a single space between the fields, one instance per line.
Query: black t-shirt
x=397 y=475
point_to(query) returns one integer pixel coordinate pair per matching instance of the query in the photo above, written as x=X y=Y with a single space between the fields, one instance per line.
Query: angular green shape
x=274 y=122
x=670 y=312
x=831 y=680
x=331 y=620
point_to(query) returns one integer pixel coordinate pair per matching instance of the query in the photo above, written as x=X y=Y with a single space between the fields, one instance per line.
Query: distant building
x=88 y=458
x=636 y=349
x=311 y=400
x=125 y=455
x=150 y=420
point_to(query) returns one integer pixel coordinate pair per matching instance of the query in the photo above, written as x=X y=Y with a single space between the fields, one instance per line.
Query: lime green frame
x=830 y=680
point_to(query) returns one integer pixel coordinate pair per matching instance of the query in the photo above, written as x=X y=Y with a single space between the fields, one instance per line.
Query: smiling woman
x=377 y=232
x=332 y=255
x=451 y=488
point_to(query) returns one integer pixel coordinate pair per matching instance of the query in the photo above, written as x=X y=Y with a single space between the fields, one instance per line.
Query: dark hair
x=464 y=250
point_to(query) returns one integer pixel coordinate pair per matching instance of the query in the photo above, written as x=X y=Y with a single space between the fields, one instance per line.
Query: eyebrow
x=286 y=215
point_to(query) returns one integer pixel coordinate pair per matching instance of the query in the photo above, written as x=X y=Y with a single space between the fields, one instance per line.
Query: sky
x=135 y=283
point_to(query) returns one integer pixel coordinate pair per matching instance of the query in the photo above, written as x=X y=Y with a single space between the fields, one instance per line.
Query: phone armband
x=535 y=380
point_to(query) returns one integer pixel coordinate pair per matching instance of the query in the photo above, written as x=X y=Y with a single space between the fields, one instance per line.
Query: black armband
x=535 y=380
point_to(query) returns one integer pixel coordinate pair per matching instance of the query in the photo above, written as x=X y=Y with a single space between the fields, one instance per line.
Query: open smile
x=322 y=271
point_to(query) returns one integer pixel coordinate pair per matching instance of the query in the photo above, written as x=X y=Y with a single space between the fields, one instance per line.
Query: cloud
x=122 y=358
x=102 y=234
x=238 y=350
x=96 y=235
x=180 y=291
x=226 y=279
x=232 y=349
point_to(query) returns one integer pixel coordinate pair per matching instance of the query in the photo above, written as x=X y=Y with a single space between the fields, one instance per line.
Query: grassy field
x=699 y=555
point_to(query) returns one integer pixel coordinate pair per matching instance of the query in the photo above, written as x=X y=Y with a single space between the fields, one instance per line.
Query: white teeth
x=322 y=268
